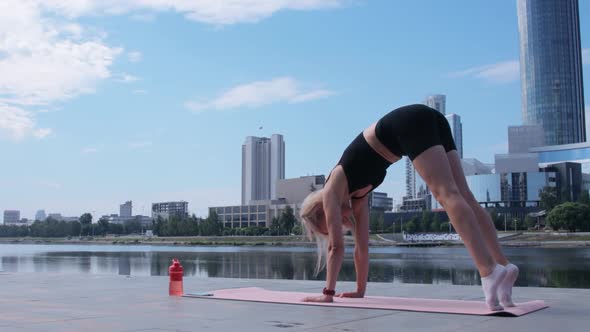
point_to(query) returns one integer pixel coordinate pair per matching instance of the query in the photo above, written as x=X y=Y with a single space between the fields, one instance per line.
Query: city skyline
x=151 y=103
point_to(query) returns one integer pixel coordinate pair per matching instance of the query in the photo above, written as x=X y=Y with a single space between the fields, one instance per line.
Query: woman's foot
x=491 y=284
x=505 y=289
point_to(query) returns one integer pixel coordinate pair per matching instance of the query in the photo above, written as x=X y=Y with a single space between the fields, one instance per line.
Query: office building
x=295 y=190
x=522 y=138
x=263 y=164
x=40 y=215
x=457 y=131
x=551 y=69
x=11 y=217
x=379 y=201
x=167 y=209
x=126 y=209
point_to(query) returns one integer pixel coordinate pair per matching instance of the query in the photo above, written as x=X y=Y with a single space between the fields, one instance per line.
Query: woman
x=423 y=134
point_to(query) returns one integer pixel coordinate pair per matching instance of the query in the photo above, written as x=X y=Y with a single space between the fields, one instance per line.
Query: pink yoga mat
x=256 y=294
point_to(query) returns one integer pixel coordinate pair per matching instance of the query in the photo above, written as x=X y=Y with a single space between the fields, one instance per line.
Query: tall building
x=380 y=201
x=522 y=138
x=294 y=191
x=40 y=215
x=263 y=164
x=438 y=102
x=167 y=209
x=126 y=209
x=457 y=131
x=551 y=69
x=11 y=217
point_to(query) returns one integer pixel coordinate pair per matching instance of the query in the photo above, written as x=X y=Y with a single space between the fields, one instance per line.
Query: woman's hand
x=351 y=295
x=320 y=298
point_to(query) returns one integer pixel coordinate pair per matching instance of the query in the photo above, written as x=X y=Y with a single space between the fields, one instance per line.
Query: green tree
x=410 y=226
x=287 y=220
x=549 y=198
x=570 y=216
x=584 y=198
x=211 y=225
x=275 y=226
x=426 y=221
x=435 y=225
x=86 y=219
x=376 y=221
x=444 y=226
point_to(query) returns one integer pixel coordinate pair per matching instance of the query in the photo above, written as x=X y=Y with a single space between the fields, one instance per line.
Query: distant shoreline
x=544 y=240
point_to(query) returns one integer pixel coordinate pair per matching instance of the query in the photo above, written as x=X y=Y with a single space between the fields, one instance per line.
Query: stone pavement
x=77 y=302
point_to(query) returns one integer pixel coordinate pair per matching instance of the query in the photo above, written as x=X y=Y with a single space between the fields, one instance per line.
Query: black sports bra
x=362 y=165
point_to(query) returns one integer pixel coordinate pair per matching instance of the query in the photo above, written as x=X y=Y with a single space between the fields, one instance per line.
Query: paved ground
x=48 y=302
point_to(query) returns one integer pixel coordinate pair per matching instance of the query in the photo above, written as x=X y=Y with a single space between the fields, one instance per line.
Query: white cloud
x=127 y=78
x=134 y=56
x=139 y=145
x=260 y=93
x=44 y=60
x=139 y=92
x=501 y=72
x=88 y=150
x=218 y=12
x=17 y=123
x=586 y=56
x=143 y=17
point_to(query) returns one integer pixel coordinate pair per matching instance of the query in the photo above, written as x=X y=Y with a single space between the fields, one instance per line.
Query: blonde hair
x=312 y=213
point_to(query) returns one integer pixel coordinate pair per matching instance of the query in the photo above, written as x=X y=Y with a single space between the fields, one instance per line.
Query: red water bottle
x=175 y=271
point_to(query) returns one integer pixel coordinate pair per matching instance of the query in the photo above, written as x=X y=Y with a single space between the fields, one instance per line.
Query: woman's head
x=313 y=220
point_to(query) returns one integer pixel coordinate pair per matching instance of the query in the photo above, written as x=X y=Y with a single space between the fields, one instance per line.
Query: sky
x=104 y=101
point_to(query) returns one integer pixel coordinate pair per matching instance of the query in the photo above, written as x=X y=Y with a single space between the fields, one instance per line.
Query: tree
x=103 y=225
x=549 y=198
x=570 y=216
x=275 y=227
x=435 y=225
x=376 y=221
x=287 y=220
x=426 y=221
x=410 y=226
x=86 y=219
x=584 y=198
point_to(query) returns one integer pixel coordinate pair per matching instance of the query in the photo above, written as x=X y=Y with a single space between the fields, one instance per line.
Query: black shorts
x=411 y=130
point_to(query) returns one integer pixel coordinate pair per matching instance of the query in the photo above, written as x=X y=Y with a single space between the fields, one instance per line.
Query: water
x=540 y=267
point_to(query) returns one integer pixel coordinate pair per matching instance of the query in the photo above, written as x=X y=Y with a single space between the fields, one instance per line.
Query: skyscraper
x=126 y=209
x=457 y=131
x=438 y=102
x=551 y=69
x=263 y=163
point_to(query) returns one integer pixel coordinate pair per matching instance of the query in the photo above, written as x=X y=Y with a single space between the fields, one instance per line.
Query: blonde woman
x=423 y=134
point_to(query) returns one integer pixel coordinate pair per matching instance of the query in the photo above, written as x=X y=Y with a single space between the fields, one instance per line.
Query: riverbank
x=525 y=239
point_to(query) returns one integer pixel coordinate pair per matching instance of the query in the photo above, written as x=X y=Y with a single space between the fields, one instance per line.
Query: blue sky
x=107 y=101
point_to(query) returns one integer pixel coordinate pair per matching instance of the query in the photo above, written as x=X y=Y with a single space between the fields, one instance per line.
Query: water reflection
x=568 y=268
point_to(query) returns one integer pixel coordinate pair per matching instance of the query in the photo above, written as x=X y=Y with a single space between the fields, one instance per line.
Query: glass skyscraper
x=551 y=69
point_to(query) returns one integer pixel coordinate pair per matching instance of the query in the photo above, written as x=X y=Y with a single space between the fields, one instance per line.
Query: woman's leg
x=434 y=167
x=487 y=229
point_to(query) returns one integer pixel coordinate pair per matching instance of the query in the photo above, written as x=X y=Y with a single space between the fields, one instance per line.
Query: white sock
x=505 y=289
x=490 y=286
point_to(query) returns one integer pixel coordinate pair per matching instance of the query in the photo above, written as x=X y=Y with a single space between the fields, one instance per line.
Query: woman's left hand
x=320 y=298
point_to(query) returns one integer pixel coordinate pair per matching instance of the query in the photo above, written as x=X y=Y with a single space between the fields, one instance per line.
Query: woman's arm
x=360 y=210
